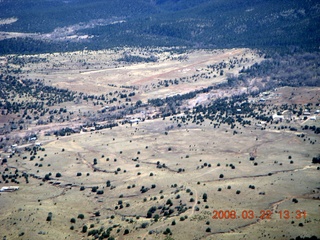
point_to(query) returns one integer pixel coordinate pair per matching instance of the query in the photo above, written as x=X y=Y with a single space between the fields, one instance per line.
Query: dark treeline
x=300 y=69
x=11 y=87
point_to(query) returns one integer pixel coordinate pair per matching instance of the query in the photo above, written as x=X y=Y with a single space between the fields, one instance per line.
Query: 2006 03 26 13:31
x=263 y=214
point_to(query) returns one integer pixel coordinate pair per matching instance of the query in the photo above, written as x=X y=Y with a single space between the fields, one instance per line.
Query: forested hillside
x=77 y=24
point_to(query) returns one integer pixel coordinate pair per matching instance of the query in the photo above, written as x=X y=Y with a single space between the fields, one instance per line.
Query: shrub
x=84 y=229
x=100 y=192
x=108 y=183
x=81 y=216
x=167 y=231
x=205 y=197
x=144 y=225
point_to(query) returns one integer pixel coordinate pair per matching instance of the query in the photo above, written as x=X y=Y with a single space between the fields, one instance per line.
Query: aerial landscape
x=159 y=119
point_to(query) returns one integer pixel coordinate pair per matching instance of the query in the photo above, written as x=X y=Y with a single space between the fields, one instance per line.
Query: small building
x=261 y=124
x=264 y=123
x=277 y=117
x=9 y=189
x=306 y=113
x=314 y=118
x=135 y=120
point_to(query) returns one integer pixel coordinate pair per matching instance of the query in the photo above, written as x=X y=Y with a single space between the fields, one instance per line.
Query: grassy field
x=159 y=176
x=133 y=152
x=98 y=72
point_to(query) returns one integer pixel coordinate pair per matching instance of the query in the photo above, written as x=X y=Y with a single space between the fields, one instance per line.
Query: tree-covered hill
x=276 y=24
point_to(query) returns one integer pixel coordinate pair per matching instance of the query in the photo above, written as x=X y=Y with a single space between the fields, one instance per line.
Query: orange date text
x=262 y=214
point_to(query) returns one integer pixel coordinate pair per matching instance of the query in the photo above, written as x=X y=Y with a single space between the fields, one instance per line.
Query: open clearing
x=98 y=72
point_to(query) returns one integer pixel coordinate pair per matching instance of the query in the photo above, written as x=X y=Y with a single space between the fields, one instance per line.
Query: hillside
x=50 y=26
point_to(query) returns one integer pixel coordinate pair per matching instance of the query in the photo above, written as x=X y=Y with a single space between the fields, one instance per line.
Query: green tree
x=84 y=229
x=204 y=197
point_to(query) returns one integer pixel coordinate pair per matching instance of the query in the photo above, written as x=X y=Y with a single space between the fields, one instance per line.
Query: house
x=9 y=189
x=314 y=118
x=277 y=117
x=264 y=123
x=37 y=144
x=135 y=120
x=306 y=113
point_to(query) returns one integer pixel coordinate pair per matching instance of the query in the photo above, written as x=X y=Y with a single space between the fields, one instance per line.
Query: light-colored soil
x=102 y=73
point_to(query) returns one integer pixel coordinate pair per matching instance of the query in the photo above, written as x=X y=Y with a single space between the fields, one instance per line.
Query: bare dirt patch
x=100 y=72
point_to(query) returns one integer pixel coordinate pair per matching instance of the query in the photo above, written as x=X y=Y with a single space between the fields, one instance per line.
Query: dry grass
x=134 y=152
x=190 y=148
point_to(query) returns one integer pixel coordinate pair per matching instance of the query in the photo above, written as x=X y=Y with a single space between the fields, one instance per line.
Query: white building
x=135 y=120
x=314 y=118
x=9 y=189
x=276 y=117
